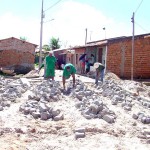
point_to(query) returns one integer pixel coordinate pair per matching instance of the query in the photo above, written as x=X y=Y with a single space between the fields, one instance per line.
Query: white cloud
x=73 y=18
x=69 y=25
x=14 y=26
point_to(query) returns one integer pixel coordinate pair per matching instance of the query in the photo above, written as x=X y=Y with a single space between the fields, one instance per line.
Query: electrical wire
x=139 y=6
x=141 y=27
x=52 y=5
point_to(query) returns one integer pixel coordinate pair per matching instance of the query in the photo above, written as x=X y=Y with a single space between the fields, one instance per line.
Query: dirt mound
x=110 y=75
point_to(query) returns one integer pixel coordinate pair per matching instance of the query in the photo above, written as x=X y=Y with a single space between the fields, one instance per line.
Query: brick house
x=17 y=54
x=116 y=55
x=119 y=56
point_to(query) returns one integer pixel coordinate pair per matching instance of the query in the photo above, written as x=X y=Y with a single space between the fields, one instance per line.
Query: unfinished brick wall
x=119 y=56
x=18 y=54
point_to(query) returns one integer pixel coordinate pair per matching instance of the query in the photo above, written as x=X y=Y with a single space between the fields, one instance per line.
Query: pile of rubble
x=90 y=103
x=119 y=94
x=10 y=90
x=38 y=104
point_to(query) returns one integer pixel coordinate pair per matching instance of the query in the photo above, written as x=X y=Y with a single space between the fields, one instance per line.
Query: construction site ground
x=23 y=132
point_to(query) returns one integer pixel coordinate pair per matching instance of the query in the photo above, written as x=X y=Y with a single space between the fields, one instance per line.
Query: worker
x=69 y=70
x=82 y=63
x=91 y=60
x=99 y=72
x=49 y=66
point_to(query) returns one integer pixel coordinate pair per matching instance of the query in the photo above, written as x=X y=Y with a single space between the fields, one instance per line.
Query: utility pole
x=85 y=36
x=132 y=62
x=41 y=34
x=105 y=31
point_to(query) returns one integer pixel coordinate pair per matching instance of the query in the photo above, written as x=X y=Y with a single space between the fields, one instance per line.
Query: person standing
x=87 y=66
x=49 y=66
x=69 y=70
x=99 y=72
x=92 y=59
x=82 y=63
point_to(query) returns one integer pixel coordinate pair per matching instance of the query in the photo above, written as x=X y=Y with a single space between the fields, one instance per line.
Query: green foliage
x=46 y=47
x=54 y=43
x=23 y=38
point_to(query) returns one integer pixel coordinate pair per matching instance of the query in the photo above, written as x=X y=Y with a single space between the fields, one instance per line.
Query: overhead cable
x=138 y=6
x=52 y=5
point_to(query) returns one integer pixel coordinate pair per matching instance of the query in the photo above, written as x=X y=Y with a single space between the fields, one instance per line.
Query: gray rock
x=43 y=107
x=123 y=104
x=147 y=120
x=1 y=108
x=117 y=97
x=80 y=130
x=59 y=117
x=144 y=103
x=36 y=115
x=55 y=112
x=99 y=116
x=79 y=97
x=79 y=135
x=78 y=104
x=21 y=108
x=134 y=116
x=55 y=98
x=7 y=103
x=44 y=115
x=32 y=110
x=143 y=120
x=88 y=93
x=26 y=110
x=108 y=118
x=129 y=104
x=94 y=108
x=87 y=116
x=101 y=107
x=114 y=102
x=140 y=115
x=148 y=105
x=127 y=108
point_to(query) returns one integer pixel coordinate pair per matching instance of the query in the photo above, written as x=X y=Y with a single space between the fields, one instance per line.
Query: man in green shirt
x=49 y=66
x=69 y=70
x=99 y=72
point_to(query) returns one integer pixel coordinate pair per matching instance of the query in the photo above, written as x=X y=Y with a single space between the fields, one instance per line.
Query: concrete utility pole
x=132 y=62
x=85 y=36
x=41 y=34
x=105 y=31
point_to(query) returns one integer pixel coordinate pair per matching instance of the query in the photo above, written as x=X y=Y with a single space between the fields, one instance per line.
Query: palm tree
x=54 y=43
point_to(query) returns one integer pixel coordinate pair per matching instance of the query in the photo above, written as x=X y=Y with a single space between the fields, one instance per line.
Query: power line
x=141 y=27
x=139 y=6
x=52 y=5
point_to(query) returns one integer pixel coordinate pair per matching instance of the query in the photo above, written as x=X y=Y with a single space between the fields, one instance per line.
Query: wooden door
x=100 y=52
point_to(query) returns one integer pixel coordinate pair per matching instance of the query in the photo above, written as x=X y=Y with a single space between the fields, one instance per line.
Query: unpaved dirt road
x=23 y=132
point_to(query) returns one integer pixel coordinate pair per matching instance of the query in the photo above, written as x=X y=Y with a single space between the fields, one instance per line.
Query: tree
x=46 y=47
x=54 y=43
x=23 y=38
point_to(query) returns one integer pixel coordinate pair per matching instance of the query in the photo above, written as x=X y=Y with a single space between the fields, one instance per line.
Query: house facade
x=116 y=55
x=119 y=56
x=17 y=54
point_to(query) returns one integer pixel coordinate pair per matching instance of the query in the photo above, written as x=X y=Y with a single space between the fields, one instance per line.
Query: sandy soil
x=21 y=132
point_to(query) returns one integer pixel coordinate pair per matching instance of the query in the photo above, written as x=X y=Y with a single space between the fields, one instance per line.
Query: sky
x=69 y=19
